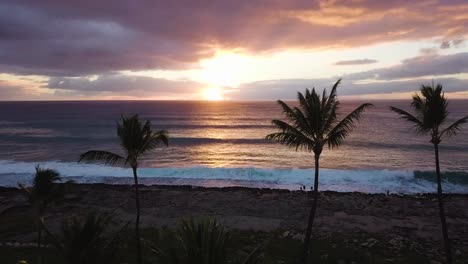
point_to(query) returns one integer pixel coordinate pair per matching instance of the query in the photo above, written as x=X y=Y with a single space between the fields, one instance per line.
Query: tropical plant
x=310 y=126
x=44 y=190
x=201 y=242
x=136 y=139
x=431 y=114
x=88 y=240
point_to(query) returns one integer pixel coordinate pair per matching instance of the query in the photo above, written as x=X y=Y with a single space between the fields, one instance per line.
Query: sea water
x=223 y=144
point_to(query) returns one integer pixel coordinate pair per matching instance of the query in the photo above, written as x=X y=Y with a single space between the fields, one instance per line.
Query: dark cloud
x=122 y=85
x=446 y=44
x=355 y=62
x=64 y=38
x=421 y=66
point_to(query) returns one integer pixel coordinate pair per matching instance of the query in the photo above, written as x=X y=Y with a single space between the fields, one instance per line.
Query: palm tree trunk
x=39 y=235
x=311 y=214
x=448 y=253
x=137 y=223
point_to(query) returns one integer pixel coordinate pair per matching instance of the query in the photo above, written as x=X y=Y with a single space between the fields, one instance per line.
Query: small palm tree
x=136 y=139
x=43 y=191
x=203 y=242
x=431 y=114
x=310 y=127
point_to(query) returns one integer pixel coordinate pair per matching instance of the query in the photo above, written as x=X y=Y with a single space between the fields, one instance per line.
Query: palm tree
x=310 y=127
x=136 y=139
x=431 y=114
x=44 y=191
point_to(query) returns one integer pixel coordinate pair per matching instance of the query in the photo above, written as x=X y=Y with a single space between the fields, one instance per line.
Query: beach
x=395 y=222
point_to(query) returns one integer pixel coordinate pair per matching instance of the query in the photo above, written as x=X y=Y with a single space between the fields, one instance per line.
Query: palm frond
x=26 y=191
x=153 y=140
x=418 y=125
x=254 y=256
x=100 y=156
x=339 y=133
x=44 y=189
x=295 y=116
x=454 y=128
x=431 y=108
x=88 y=240
x=290 y=136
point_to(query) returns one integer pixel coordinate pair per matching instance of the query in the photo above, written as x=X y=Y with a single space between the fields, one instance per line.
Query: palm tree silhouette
x=431 y=113
x=310 y=127
x=44 y=191
x=136 y=140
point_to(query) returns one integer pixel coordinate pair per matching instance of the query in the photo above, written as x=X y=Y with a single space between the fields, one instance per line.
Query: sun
x=225 y=69
x=213 y=94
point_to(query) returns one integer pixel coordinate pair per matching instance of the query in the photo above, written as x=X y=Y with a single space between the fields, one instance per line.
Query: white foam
x=369 y=181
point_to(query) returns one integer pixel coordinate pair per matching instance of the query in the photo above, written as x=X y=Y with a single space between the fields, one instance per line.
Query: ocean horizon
x=223 y=144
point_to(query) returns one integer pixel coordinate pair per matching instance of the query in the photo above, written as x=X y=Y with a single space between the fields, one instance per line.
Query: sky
x=230 y=50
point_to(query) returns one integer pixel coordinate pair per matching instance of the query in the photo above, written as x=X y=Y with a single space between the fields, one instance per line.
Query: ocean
x=222 y=144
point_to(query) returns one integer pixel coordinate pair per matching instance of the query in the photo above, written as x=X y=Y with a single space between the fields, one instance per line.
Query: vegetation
x=310 y=127
x=44 y=191
x=200 y=242
x=136 y=139
x=89 y=241
x=277 y=249
x=431 y=115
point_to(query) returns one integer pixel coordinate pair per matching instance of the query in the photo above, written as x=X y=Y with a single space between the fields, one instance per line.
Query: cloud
x=446 y=44
x=9 y=92
x=404 y=77
x=355 y=62
x=123 y=86
x=287 y=89
x=421 y=66
x=63 y=38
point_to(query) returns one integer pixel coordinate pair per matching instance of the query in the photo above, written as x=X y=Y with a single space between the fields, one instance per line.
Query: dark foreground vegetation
x=350 y=227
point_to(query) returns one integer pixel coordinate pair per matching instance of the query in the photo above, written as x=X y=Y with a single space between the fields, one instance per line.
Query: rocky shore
x=394 y=222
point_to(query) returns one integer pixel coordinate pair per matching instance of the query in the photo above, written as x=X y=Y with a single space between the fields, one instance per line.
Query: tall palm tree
x=43 y=191
x=431 y=114
x=311 y=126
x=136 y=139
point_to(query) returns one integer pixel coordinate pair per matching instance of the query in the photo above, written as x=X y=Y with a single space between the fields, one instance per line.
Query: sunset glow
x=381 y=49
x=225 y=69
x=213 y=94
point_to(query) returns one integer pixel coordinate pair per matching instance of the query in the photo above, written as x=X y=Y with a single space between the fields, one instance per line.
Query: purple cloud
x=355 y=62
x=63 y=38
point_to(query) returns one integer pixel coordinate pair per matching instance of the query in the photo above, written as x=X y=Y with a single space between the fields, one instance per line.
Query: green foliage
x=88 y=241
x=44 y=189
x=200 y=242
x=136 y=139
x=431 y=113
x=314 y=123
